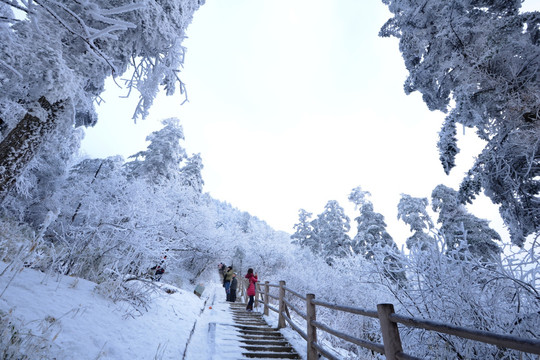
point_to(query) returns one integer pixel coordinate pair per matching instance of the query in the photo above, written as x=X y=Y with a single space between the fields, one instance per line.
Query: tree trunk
x=20 y=146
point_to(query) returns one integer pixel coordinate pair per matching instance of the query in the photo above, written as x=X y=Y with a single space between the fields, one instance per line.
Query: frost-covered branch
x=15 y=5
x=10 y=68
x=91 y=46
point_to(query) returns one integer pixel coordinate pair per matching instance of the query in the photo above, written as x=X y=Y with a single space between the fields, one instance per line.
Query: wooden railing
x=388 y=320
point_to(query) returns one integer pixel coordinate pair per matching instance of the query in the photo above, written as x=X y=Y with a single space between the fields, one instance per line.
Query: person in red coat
x=251 y=288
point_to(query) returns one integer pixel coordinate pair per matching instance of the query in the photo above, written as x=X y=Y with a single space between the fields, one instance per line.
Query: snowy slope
x=69 y=319
x=85 y=325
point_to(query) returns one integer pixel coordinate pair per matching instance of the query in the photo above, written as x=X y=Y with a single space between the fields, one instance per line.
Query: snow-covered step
x=266 y=342
x=257 y=338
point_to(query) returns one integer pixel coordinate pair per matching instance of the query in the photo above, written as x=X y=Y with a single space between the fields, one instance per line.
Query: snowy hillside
x=72 y=320
x=63 y=317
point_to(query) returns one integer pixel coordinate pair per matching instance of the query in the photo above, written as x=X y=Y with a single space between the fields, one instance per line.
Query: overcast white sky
x=292 y=104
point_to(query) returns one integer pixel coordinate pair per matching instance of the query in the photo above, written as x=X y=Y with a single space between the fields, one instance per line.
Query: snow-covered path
x=214 y=336
x=227 y=331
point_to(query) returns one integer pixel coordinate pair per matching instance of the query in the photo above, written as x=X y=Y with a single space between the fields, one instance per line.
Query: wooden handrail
x=390 y=332
x=363 y=343
x=403 y=356
x=368 y=313
x=324 y=352
x=302 y=314
x=506 y=341
x=388 y=321
x=294 y=326
x=295 y=293
x=266 y=299
x=273 y=309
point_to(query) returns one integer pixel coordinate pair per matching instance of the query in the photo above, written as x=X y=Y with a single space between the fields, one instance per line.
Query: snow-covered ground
x=69 y=319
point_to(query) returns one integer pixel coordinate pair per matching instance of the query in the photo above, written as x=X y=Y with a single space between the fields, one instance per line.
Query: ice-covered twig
x=6 y=65
x=8 y=19
x=90 y=34
x=15 y=5
x=74 y=15
x=106 y=32
x=123 y=9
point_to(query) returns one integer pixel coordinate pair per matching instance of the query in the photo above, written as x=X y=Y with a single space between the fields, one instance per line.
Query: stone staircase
x=257 y=338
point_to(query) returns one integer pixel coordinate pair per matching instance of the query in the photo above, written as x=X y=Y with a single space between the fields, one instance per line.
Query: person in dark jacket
x=227 y=277
x=251 y=288
x=232 y=289
x=156 y=272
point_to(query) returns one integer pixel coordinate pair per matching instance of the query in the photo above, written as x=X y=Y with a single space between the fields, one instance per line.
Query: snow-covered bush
x=19 y=341
x=456 y=287
x=346 y=282
x=14 y=238
x=446 y=276
x=134 y=292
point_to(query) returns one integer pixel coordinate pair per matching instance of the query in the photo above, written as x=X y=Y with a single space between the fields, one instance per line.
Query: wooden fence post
x=240 y=289
x=390 y=332
x=311 y=329
x=244 y=291
x=266 y=292
x=281 y=319
x=257 y=291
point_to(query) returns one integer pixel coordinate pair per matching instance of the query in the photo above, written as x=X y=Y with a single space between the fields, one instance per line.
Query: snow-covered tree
x=243 y=220
x=458 y=226
x=372 y=241
x=304 y=232
x=478 y=61
x=55 y=58
x=454 y=286
x=413 y=212
x=191 y=173
x=331 y=228
x=371 y=227
x=160 y=162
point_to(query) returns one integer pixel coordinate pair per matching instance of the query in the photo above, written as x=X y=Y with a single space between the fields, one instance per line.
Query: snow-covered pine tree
x=372 y=241
x=332 y=229
x=413 y=212
x=243 y=221
x=304 y=232
x=458 y=226
x=478 y=61
x=160 y=162
x=371 y=228
x=191 y=173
